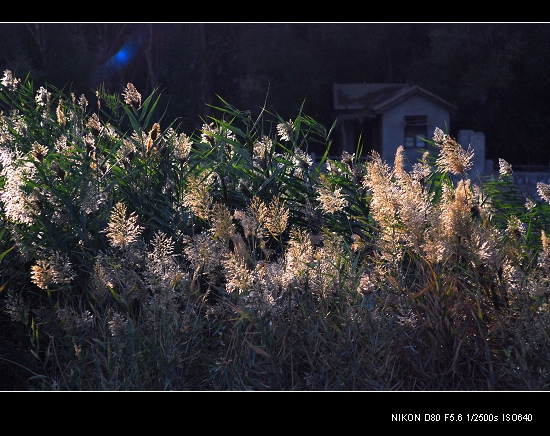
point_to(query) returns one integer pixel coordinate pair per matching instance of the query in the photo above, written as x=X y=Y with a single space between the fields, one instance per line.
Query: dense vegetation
x=137 y=256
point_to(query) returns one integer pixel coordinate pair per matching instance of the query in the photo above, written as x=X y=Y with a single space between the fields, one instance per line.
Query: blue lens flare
x=123 y=57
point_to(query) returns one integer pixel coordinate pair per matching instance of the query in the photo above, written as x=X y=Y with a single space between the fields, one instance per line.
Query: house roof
x=374 y=98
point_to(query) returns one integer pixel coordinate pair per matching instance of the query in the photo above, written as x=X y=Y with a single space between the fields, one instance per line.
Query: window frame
x=415 y=128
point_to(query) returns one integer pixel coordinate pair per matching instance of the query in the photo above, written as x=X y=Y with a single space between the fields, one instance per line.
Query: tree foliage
x=495 y=73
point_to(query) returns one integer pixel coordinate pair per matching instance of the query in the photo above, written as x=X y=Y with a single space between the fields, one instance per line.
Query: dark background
x=497 y=74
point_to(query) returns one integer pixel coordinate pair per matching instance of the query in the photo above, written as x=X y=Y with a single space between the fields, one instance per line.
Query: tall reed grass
x=135 y=256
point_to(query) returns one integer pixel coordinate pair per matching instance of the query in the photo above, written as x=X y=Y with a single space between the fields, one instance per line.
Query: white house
x=383 y=116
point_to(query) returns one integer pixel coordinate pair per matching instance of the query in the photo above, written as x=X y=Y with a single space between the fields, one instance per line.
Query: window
x=416 y=127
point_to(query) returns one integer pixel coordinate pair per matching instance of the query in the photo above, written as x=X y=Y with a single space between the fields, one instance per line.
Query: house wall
x=392 y=125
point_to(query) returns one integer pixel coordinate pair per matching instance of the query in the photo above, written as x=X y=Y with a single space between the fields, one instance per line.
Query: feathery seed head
x=132 y=96
x=276 y=218
x=197 y=196
x=504 y=168
x=543 y=190
x=55 y=269
x=452 y=157
x=286 y=130
x=123 y=229
x=9 y=81
x=43 y=97
x=61 y=118
x=222 y=223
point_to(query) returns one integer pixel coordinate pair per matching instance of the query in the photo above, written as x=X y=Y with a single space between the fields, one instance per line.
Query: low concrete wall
x=527 y=181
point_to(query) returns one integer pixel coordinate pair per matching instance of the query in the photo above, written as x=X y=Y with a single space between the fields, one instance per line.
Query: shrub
x=138 y=257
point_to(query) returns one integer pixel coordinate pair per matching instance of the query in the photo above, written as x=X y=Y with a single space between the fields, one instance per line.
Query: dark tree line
x=497 y=74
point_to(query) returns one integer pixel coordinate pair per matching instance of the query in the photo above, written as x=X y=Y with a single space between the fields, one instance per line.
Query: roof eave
x=415 y=90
